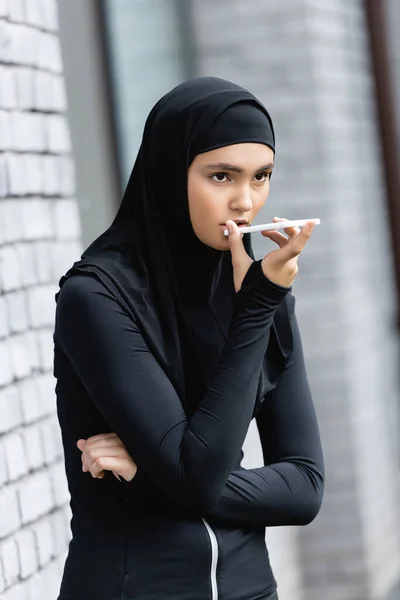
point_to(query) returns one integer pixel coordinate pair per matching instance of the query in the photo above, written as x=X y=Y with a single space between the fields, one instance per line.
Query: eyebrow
x=229 y=167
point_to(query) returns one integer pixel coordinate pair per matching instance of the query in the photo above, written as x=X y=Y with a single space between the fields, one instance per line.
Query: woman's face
x=228 y=183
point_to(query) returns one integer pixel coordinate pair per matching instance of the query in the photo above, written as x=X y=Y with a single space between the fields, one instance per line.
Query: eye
x=220 y=177
x=262 y=176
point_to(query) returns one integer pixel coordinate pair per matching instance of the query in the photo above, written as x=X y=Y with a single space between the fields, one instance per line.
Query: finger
x=84 y=469
x=107 y=463
x=81 y=444
x=291 y=231
x=104 y=443
x=298 y=243
x=102 y=436
x=236 y=246
x=94 y=454
x=276 y=237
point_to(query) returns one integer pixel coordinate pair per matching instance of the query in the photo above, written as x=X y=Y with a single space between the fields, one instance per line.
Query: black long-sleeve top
x=212 y=510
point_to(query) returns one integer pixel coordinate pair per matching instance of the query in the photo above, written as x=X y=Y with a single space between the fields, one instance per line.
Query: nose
x=242 y=200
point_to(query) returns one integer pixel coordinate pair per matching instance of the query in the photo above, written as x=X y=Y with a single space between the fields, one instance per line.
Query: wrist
x=284 y=285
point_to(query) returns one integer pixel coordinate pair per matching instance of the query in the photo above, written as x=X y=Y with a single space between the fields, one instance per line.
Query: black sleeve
x=189 y=459
x=288 y=490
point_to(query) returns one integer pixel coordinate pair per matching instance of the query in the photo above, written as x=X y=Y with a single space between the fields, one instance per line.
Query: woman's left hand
x=106 y=452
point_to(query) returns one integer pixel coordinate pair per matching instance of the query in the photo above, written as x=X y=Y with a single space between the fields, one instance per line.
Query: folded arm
x=131 y=391
x=288 y=490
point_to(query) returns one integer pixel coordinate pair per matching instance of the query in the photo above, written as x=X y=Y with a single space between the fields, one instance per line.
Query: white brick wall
x=308 y=60
x=39 y=235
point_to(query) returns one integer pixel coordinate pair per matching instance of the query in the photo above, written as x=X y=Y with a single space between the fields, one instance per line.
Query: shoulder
x=79 y=289
x=84 y=295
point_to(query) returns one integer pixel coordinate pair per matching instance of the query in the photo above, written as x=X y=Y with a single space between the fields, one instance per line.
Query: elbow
x=312 y=501
x=202 y=499
x=203 y=502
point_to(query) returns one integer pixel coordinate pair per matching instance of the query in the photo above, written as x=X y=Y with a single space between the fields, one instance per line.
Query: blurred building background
x=329 y=72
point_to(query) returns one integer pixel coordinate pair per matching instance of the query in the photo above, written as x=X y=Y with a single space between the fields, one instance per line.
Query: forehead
x=252 y=155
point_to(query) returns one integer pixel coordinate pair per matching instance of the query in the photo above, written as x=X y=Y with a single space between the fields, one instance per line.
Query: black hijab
x=161 y=277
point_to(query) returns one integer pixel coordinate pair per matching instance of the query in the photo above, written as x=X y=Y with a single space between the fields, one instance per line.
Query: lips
x=239 y=223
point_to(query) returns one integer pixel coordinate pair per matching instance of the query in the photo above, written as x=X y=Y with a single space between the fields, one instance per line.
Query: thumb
x=236 y=246
x=81 y=444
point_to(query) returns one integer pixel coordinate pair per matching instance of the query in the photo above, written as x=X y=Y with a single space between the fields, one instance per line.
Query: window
x=145 y=43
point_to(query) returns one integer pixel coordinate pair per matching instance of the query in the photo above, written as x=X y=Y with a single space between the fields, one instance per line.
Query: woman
x=169 y=339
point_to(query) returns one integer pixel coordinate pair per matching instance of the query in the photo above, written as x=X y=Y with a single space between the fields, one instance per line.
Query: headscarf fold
x=150 y=259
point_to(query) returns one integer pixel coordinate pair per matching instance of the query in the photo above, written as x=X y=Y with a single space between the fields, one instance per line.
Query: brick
x=35 y=496
x=10 y=34
x=3 y=179
x=45 y=583
x=58 y=137
x=34 y=13
x=6 y=371
x=3 y=467
x=10 y=560
x=67 y=176
x=7 y=82
x=2 y=580
x=16 y=11
x=41 y=306
x=2 y=226
x=9 y=273
x=33 y=349
x=36 y=218
x=44 y=541
x=61 y=533
x=27 y=264
x=66 y=219
x=24 y=47
x=20 y=358
x=6 y=133
x=46 y=385
x=17 y=464
x=4 y=324
x=4 y=8
x=18 y=592
x=42 y=256
x=25 y=91
x=17 y=313
x=59 y=94
x=51 y=440
x=49 y=52
x=50 y=15
x=51 y=176
x=46 y=349
x=10 y=409
x=43 y=91
x=59 y=483
x=34 y=175
x=16 y=174
x=33 y=447
x=28 y=132
x=27 y=552
x=10 y=519
x=12 y=220
x=30 y=400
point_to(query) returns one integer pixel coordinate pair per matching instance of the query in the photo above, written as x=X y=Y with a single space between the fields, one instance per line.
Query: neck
x=195 y=265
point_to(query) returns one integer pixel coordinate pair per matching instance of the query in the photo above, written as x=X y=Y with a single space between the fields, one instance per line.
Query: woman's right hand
x=280 y=266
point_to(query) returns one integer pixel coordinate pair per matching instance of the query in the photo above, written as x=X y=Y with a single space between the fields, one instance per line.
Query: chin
x=216 y=244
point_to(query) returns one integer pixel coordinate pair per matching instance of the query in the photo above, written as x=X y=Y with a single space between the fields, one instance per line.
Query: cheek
x=199 y=202
x=261 y=199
